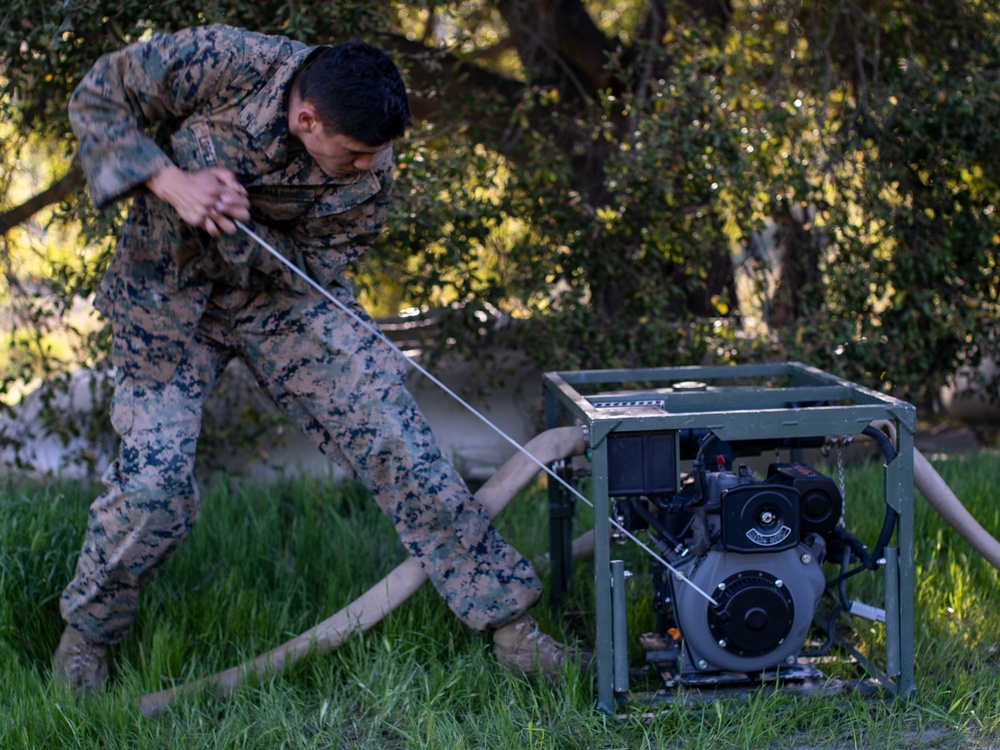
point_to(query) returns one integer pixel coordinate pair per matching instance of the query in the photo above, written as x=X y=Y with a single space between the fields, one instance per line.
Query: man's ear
x=307 y=119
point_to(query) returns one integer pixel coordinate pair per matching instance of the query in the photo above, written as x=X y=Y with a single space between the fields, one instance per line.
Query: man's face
x=338 y=155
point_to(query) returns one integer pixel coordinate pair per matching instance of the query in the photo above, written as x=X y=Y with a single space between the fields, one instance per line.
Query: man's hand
x=209 y=199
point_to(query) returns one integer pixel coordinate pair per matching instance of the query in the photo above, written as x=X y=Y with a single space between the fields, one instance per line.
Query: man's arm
x=134 y=89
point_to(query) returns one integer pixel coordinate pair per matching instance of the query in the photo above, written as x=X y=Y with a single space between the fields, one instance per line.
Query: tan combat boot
x=521 y=645
x=80 y=664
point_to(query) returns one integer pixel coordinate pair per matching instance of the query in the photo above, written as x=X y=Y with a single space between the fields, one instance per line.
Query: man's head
x=346 y=105
x=357 y=91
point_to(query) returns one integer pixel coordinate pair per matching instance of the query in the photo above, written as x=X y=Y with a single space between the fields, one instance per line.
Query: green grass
x=264 y=564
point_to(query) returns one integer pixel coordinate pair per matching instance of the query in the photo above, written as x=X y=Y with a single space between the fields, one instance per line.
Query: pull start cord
x=382 y=337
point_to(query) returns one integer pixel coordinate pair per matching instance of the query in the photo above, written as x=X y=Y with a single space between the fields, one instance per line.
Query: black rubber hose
x=891 y=516
x=698 y=467
x=869 y=560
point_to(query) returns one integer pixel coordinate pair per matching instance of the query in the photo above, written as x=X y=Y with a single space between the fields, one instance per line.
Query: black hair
x=357 y=91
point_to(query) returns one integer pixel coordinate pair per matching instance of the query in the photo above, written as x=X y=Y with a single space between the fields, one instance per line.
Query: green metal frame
x=740 y=402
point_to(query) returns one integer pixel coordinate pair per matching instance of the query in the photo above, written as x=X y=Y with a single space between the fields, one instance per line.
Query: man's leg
x=150 y=502
x=343 y=387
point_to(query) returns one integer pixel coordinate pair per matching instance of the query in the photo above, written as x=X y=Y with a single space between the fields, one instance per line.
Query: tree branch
x=559 y=42
x=52 y=194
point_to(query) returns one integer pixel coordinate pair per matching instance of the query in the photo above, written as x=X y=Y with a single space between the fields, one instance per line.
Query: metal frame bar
x=791 y=400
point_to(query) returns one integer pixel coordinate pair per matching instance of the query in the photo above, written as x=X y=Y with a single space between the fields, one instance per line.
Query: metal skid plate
x=804 y=679
x=664 y=655
x=791 y=403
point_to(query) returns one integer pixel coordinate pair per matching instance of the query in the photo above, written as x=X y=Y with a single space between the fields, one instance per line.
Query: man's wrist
x=163 y=182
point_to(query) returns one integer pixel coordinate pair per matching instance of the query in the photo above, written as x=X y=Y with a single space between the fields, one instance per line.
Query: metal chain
x=840 y=443
x=843 y=484
x=840 y=470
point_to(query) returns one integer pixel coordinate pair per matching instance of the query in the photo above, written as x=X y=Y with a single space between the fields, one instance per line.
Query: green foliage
x=815 y=181
x=907 y=200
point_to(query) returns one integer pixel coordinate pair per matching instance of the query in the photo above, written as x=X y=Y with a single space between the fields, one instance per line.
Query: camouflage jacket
x=209 y=96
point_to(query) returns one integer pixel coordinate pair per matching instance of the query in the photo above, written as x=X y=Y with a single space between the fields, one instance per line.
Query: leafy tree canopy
x=629 y=183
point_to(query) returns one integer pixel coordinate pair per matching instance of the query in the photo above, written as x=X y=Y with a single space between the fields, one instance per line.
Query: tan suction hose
x=950 y=508
x=940 y=497
x=368 y=609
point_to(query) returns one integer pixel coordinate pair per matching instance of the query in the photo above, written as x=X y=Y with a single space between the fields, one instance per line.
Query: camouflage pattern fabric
x=344 y=388
x=183 y=304
x=213 y=96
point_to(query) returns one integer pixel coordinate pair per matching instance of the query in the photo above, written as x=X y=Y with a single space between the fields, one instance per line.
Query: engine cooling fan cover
x=765 y=604
x=755 y=613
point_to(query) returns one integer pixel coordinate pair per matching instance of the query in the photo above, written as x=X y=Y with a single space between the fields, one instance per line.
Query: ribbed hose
x=382 y=598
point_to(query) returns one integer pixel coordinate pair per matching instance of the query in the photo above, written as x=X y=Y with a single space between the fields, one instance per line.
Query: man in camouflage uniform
x=202 y=128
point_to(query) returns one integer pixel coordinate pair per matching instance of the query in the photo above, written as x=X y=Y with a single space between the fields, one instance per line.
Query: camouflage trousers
x=343 y=387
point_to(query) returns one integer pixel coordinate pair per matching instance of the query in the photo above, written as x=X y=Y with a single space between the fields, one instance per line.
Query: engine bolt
x=678 y=576
x=806 y=558
x=779 y=583
x=721 y=586
x=767 y=517
x=722 y=642
x=702 y=664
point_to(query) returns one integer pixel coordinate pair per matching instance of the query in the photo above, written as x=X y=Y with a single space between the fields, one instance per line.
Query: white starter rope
x=378 y=334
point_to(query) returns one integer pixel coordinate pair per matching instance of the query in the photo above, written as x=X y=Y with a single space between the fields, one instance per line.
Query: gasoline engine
x=756 y=546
